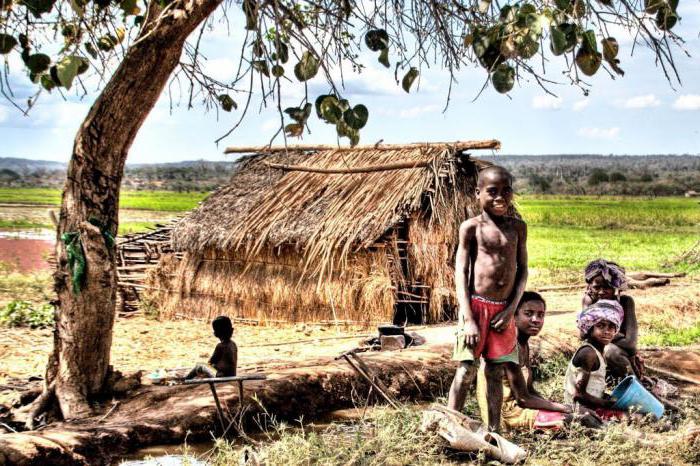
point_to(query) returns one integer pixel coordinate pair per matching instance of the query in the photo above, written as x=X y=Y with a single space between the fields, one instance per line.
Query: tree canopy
x=287 y=43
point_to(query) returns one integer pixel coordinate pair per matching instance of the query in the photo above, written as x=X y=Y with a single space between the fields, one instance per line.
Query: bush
x=597 y=176
x=617 y=176
x=19 y=313
x=646 y=178
x=539 y=183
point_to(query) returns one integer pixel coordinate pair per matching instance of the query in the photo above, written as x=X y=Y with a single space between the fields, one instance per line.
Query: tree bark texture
x=80 y=361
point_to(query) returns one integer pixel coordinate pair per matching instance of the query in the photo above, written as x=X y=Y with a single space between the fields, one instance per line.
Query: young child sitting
x=585 y=376
x=528 y=409
x=490 y=278
x=605 y=280
x=225 y=357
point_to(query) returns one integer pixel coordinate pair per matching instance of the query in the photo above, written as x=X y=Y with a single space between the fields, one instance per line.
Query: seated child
x=528 y=410
x=225 y=357
x=585 y=377
x=605 y=280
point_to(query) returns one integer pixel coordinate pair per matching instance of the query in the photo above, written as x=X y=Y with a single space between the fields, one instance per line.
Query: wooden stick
x=675 y=375
x=457 y=145
x=342 y=171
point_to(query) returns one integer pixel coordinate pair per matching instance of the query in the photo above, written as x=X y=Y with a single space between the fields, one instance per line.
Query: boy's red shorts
x=493 y=346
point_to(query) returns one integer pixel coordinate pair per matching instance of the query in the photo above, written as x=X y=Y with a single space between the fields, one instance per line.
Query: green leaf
x=589 y=43
x=610 y=48
x=47 y=83
x=527 y=47
x=666 y=18
x=300 y=115
x=38 y=63
x=306 y=68
x=261 y=66
x=90 y=49
x=507 y=14
x=281 y=52
x=38 y=7
x=129 y=7
x=356 y=117
x=250 y=8
x=480 y=43
x=227 y=103
x=408 y=79
x=384 y=58
x=294 y=130
x=376 y=40
x=328 y=108
x=527 y=9
x=277 y=71
x=258 y=48
x=107 y=42
x=7 y=43
x=344 y=130
x=67 y=70
x=587 y=61
x=562 y=4
x=503 y=78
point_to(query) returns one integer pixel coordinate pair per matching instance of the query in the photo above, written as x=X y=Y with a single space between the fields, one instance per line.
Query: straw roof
x=326 y=214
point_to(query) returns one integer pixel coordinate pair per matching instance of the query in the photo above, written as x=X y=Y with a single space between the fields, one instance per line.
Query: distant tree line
x=652 y=175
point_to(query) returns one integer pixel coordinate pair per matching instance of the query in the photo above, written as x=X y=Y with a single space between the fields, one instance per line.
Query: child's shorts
x=494 y=346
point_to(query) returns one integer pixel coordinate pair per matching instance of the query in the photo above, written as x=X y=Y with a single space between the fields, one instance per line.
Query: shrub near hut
x=319 y=242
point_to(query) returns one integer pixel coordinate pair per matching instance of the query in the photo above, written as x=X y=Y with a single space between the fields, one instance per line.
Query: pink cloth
x=603 y=309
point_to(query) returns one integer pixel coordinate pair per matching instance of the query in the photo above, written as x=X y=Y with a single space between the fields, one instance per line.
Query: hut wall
x=272 y=287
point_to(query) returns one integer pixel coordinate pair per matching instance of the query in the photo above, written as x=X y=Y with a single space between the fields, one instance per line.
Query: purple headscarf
x=610 y=271
x=604 y=309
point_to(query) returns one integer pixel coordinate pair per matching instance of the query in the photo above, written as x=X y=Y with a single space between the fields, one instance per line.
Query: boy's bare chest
x=492 y=238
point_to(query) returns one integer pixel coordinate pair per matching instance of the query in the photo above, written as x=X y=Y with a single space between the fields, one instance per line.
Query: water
x=26 y=251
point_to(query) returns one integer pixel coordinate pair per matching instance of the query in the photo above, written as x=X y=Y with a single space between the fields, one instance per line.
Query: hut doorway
x=412 y=297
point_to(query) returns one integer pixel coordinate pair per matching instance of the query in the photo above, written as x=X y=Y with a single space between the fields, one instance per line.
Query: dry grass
x=272 y=288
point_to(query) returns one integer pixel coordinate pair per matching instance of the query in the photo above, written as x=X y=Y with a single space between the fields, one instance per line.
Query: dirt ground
x=148 y=345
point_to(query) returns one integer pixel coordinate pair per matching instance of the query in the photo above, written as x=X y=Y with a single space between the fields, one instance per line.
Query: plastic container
x=630 y=394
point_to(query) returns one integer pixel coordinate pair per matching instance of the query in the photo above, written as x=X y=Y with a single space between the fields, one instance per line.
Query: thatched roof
x=265 y=205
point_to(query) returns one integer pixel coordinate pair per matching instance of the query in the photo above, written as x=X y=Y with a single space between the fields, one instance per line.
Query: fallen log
x=169 y=415
x=648 y=283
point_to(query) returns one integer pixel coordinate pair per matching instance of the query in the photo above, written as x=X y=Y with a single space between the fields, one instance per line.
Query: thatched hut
x=362 y=234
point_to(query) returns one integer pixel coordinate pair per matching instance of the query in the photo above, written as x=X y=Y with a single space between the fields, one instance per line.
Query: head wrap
x=604 y=309
x=610 y=271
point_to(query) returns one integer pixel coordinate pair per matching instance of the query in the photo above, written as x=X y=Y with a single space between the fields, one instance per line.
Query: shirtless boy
x=490 y=277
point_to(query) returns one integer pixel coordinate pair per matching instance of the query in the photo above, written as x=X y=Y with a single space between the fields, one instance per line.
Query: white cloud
x=640 y=101
x=414 y=112
x=580 y=105
x=4 y=114
x=270 y=124
x=546 y=102
x=599 y=133
x=687 y=102
x=222 y=69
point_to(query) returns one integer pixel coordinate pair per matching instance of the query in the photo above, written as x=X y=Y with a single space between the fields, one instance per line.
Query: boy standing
x=490 y=277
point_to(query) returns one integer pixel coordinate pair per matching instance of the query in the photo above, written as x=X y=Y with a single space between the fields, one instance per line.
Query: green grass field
x=166 y=201
x=565 y=232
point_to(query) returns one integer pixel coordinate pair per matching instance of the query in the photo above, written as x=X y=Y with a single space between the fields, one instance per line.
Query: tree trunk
x=79 y=364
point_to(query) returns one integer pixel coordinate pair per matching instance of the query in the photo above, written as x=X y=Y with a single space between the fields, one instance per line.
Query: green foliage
x=597 y=176
x=409 y=78
x=663 y=334
x=616 y=177
x=539 y=183
x=25 y=314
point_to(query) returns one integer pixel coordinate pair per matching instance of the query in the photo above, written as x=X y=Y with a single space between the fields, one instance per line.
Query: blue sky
x=640 y=113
